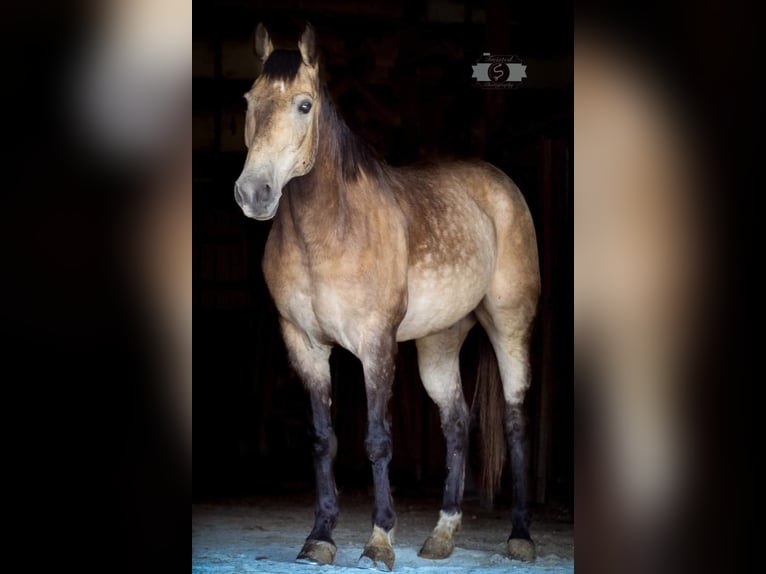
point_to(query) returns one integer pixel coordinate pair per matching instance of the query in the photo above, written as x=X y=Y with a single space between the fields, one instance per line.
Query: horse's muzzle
x=258 y=200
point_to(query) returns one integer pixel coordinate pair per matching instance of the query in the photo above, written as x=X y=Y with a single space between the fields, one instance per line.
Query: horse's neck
x=317 y=202
x=322 y=202
x=333 y=203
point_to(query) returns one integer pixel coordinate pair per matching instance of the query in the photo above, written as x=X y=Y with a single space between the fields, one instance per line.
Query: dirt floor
x=265 y=535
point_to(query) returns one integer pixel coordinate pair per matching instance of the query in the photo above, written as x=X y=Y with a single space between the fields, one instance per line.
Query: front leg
x=311 y=362
x=378 y=366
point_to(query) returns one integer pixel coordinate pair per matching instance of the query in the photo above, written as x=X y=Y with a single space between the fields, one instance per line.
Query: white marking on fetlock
x=448 y=523
x=380 y=537
x=378 y=552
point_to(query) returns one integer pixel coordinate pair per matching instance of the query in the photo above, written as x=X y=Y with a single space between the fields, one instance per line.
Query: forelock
x=282 y=65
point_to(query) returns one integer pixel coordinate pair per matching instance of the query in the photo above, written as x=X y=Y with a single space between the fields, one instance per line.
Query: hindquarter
x=470 y=237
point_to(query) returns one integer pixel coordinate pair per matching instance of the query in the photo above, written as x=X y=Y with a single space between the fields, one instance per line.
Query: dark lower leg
x=326 y=514
x=515 y=428
x=379 y=449
x=378 y=552
x=455 y=426
x=455 y=422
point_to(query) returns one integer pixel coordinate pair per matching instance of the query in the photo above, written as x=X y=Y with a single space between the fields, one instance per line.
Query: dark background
x=83 y=451
x=400 y=73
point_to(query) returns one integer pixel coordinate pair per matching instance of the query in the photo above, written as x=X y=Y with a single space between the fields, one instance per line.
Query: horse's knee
x=323 y=443
x=379 y=446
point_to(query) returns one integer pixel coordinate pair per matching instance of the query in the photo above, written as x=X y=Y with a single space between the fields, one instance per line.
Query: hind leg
x=509 y=328
x=439 y=362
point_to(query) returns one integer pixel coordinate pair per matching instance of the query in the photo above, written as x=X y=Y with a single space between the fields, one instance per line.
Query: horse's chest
x=292 y=290
x=335 y=302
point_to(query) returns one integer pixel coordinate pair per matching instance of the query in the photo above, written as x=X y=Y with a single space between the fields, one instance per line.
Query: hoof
x=378 y=553
x=377 y=558
x=317 y=552
x=521 y=549
x=437 y=547
x=441 y=544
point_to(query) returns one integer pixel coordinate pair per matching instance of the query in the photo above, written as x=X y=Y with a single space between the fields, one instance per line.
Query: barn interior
x=401 y=75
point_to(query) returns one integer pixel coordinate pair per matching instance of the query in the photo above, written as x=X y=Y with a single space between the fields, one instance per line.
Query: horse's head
x=281 y=123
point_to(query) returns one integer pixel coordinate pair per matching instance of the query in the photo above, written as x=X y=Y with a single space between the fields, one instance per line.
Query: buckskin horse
x=364 y=255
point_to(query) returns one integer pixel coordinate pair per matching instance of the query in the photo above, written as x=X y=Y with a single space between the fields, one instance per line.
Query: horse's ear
x=263 y=45
x=308 y=47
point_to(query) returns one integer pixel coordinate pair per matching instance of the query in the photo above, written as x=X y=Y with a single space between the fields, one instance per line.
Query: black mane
x=349 y=152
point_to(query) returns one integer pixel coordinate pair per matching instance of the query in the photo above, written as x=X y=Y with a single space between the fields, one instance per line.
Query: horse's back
x=445 y=195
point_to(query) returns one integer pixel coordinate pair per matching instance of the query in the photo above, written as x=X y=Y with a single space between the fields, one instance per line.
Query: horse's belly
x=438 y=298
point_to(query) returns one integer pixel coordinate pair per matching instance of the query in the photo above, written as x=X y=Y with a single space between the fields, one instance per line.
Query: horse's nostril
x=238 y=195
x=263 y=193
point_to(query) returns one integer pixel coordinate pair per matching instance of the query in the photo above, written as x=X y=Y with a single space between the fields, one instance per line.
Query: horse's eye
x=304 y=107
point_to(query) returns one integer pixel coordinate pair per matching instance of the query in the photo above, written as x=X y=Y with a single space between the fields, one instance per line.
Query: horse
x=363 y=255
